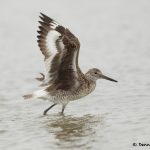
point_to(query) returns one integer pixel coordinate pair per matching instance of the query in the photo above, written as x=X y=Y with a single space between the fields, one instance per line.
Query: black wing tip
x=39 y=32
x=42 y=14
x=45 y=17
x=39 y=36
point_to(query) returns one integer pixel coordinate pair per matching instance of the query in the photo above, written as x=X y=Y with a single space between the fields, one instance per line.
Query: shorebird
x=63 y=81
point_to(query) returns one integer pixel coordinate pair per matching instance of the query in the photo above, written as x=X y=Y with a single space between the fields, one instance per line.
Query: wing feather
x=61 y=49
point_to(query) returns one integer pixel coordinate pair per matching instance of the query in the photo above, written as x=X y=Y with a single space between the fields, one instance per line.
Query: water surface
x=114 y=37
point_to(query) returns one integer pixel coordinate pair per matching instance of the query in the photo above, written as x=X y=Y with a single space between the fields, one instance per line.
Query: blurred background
x=114 y=37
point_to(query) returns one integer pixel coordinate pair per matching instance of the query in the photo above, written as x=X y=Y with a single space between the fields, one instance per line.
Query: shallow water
x=114 y=37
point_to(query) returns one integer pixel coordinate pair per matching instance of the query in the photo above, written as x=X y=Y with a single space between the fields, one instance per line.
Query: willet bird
x=63 y=81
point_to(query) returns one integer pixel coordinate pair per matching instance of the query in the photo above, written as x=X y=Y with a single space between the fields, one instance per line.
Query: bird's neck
x=91 y=84
x=90 y=78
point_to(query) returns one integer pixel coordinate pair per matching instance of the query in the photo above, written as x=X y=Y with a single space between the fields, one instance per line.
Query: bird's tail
x=36 y=94
x=28 y=96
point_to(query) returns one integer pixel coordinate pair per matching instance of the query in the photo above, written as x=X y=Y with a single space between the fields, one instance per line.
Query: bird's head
x=95 y=74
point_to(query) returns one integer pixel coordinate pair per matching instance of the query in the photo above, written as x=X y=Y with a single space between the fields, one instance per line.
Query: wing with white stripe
x=61 y=49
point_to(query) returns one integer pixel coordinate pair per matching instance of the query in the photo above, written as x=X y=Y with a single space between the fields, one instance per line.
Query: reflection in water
x=73 y=132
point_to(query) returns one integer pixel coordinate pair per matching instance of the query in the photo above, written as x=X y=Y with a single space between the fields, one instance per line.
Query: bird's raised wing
x=61 y=49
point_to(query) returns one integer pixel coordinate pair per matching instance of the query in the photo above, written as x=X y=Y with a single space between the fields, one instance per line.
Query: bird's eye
x=95 y=72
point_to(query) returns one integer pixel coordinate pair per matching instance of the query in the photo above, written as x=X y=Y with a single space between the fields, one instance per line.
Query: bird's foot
x=61 y=113
x=45 y=113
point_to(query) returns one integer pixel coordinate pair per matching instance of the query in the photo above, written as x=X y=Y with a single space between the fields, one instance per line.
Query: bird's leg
x=63 y=108
x=45 y=111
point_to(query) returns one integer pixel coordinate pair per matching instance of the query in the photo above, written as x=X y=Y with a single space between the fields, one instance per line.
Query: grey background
x=114 y=37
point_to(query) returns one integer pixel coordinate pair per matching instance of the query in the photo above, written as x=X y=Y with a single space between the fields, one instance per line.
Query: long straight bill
x=107 y=78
